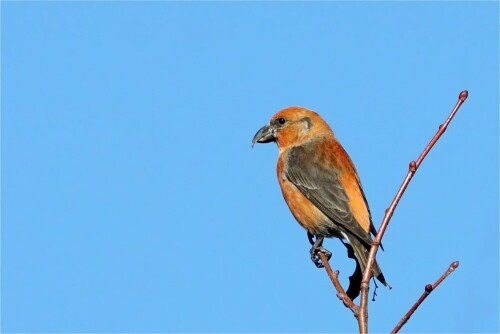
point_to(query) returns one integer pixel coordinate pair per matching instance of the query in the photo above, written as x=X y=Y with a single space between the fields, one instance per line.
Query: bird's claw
x=316 y=258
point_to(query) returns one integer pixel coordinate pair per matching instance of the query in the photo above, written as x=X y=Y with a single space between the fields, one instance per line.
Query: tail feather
x=361 y=254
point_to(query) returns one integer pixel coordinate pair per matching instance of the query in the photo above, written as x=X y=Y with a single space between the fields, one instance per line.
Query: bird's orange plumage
x=329 y=153
x=319 y=181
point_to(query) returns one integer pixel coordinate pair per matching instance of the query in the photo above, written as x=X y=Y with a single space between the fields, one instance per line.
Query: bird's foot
x=315 y=250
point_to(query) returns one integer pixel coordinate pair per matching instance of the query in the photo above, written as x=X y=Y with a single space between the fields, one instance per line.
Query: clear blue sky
x=132 y=201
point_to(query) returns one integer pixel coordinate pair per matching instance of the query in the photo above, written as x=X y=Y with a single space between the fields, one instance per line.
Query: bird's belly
x=306 y=213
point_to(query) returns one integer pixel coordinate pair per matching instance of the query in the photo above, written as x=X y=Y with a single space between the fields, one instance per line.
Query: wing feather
x=323 y=188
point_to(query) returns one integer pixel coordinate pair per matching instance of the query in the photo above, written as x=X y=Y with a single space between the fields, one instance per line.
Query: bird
x=321 y=187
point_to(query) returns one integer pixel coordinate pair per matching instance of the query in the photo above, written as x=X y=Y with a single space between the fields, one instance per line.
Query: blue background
x=132 y=202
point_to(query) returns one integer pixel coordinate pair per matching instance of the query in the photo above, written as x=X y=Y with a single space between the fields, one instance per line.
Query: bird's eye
x=281 y=121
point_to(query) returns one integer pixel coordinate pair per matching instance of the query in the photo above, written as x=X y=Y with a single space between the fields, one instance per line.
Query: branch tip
x=463 y=95
x=454 y=265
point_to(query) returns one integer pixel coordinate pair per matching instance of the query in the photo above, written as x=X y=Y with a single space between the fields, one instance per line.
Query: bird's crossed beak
x=264 y=135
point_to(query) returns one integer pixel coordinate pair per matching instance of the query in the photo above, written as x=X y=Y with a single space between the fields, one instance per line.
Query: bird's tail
x=361 y=254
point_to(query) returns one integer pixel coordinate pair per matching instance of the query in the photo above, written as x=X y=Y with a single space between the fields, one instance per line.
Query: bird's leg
x=310 y=237
x=317 y=247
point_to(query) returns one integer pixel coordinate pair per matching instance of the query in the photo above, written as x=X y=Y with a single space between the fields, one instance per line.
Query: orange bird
x=321 y=187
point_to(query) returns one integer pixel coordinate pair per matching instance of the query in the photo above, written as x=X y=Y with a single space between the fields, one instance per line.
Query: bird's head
x=292 y=126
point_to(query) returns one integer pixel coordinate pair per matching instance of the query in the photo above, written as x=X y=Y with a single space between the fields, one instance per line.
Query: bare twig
x=365 y=282
x=428 y=289
x=341 y=294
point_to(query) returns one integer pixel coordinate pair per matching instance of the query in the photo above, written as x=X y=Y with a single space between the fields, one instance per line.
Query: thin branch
x=365 y=282
x=341 y=294
x=428 y=289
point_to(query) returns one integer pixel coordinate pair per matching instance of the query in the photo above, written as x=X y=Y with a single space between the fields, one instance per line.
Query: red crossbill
x=321 y=186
